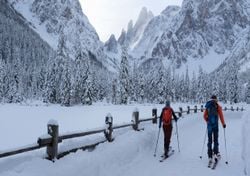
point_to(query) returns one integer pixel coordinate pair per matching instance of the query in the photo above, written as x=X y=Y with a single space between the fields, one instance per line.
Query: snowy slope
x=113 y=50
x=132 y=152
x=241 y=51
x=246 y=141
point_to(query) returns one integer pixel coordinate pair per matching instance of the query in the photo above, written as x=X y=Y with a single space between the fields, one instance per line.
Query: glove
x=224 y=126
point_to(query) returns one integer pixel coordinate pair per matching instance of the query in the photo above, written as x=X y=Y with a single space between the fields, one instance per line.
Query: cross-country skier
x=212 y=114
x=166 y=118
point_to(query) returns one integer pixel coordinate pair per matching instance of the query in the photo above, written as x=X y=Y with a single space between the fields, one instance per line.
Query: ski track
x=131 y=154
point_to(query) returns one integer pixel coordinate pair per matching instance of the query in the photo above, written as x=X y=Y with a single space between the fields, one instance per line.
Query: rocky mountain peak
x=134 y=32
x=112 y=45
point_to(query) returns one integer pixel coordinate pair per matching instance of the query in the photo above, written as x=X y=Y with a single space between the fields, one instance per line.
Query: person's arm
x=205 y=115
x=175 y=117
x=221 y=116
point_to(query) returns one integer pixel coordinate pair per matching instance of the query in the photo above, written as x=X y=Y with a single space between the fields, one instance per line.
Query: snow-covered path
x=187 y=162
x=131 y=154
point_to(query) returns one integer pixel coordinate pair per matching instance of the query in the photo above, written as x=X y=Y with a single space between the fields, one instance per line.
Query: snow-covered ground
x=130 y=154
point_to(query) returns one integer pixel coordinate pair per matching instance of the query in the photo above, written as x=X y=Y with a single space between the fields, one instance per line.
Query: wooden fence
x=52 y=139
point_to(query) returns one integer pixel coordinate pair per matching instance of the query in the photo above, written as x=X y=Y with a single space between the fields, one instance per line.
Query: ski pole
x=157 y=142
x=225 y=145
x=177 y=135
x=205 y=137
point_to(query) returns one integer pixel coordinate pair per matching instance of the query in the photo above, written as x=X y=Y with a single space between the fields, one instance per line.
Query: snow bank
x=246 y=141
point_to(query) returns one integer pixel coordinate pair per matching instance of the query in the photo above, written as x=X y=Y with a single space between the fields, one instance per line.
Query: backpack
x=167 y=116
x=212 y=110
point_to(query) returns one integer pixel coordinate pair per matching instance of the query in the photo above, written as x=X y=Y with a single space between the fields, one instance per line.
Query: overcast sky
x=110 y=16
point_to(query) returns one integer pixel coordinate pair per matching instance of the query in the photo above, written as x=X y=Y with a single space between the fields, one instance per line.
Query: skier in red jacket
x=166 y=118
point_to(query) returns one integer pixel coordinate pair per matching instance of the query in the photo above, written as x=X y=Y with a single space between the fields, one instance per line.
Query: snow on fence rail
x=52 y=139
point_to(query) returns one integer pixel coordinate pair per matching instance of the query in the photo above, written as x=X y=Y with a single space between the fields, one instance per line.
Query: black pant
x=213 y=134
x=167 y=129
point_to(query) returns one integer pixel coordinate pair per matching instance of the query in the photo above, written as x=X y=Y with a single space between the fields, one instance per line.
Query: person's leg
x=167 y=137
x=209 y=144
x=216 y=142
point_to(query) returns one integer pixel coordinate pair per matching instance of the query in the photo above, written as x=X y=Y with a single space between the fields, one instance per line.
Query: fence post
x=195 y=109
x=52 y=149
x=237 y=109
x=180 y=113
x=202 y=108
x=154 y=115
x=225 y=108
x=135 y=119
x=242 y=109
x=232 y=108
x=188 y=110
x=109 y=127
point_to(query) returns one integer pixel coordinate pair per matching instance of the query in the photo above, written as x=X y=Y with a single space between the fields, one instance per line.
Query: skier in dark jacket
x=166 y=118
x=212 y=114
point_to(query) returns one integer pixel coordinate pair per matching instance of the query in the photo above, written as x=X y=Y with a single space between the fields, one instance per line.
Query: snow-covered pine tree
x=134 y=86
x=87 y=97
x=186 y=87
x=80 y=76
x=182 y=88
x=141 y=89
x=115 y=93
x=207 y=87
x=14 y=78
x=200 y=85
x=161 y=89
x=248 y=92
x=41 y=82
x=177 y=88
x=233 y=93
x=51 y=87
x=193 y=89
x=2 y=75
x=124 y=77
x=168 y=84
x=66 y=85
x=54 y=82
x=215 y=85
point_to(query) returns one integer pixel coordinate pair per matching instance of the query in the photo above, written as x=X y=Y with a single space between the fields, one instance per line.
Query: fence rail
x=52 y=139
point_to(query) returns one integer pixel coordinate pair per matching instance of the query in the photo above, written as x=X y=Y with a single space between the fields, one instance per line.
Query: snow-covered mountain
x=50 y=19
x=23 y=57
x=155 y=28
x=199 y=27
x=128 y=39
x=134 y=32
x=197 y=30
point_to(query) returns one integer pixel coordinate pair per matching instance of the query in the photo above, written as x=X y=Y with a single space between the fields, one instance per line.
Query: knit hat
x=167 y=103
x=213 y=97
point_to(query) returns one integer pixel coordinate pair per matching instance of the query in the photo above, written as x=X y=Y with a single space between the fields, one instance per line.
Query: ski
x=170 y=153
